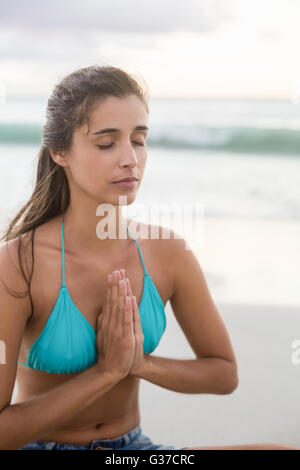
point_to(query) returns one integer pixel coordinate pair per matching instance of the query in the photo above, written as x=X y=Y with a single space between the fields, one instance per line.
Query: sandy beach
x=264 y=407
x=251 y=260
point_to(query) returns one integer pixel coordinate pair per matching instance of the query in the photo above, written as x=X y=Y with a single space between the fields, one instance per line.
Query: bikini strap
x=140 y=253
x=63 y=252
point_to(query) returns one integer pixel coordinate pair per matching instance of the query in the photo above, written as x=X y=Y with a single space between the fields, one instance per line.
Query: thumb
x=99 y=319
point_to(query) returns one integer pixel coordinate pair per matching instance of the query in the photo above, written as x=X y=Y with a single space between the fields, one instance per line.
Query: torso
x=117 y=411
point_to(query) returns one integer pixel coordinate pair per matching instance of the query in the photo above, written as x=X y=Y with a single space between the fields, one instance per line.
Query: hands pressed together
x=119 y=336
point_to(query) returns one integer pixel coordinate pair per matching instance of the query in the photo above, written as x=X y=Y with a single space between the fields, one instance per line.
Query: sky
x=195 y=48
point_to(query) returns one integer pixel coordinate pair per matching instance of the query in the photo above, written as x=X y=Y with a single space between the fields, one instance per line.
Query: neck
x=99 y=233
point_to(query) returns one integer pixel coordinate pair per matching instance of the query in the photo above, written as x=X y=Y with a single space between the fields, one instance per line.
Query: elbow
x=229 y=378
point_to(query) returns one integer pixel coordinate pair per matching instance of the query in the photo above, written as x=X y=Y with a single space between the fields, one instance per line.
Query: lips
x=126 y=179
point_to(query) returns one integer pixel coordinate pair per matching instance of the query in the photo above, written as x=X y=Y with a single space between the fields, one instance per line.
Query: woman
x=79 y=339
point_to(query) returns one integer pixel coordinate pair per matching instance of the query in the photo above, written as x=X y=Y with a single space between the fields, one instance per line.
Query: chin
x=114 y=199
x=130 y=198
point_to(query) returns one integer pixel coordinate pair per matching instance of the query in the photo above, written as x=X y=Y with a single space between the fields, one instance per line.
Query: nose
x=128 y=156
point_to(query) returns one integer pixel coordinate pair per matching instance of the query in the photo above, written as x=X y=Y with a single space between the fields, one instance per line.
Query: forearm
x=202 y=375
x=24 y=422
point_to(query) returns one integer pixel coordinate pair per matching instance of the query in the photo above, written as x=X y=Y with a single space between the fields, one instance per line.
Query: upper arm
x=14 y=313
x=194 y=307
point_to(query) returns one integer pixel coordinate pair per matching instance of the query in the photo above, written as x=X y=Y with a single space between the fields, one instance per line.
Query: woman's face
x=91 y=168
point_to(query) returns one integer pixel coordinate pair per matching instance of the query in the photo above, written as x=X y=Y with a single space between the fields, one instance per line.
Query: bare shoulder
x=166 y=246
x=12 y=252
x=17 y=264
x=162 y=239
x=14 y=264
x=168 y=243
x=46 y=236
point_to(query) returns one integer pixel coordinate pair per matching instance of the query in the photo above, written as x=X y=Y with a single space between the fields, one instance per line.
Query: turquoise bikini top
x=68 y=341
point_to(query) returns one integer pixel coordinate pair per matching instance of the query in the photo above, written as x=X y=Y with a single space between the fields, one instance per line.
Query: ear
x=59 y=158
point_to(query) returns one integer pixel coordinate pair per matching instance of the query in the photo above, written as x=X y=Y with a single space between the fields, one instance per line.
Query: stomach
x=113 y=414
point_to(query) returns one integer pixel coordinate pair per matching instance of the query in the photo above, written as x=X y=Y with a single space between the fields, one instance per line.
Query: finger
x=99 y=320
x=99 y=323
x=122 y=300
x=115 y=296
x=105 y=314
x=128 y=313
x=122 y=272
x=123 y=277
x=105 y=317
x=129 y=291
x=136 y=316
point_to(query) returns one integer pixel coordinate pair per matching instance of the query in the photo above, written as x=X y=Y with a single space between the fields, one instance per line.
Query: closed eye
x=103 y=147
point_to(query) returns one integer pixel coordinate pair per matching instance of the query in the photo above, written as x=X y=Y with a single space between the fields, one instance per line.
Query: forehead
x=122 y=113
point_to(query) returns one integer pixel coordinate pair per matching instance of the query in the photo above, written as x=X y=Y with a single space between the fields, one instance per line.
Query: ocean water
x=235 y=159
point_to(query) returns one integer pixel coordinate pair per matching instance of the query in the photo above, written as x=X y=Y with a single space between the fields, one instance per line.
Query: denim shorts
x=132 y=440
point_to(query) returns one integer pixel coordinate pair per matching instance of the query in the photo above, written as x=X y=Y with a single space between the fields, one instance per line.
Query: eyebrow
x=110 y=130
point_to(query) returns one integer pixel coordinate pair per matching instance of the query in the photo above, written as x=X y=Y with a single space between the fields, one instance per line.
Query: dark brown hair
x=69 y=107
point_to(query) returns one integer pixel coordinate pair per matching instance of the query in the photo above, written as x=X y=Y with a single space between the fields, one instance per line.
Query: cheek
x=90 y=172
x=142 y=164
